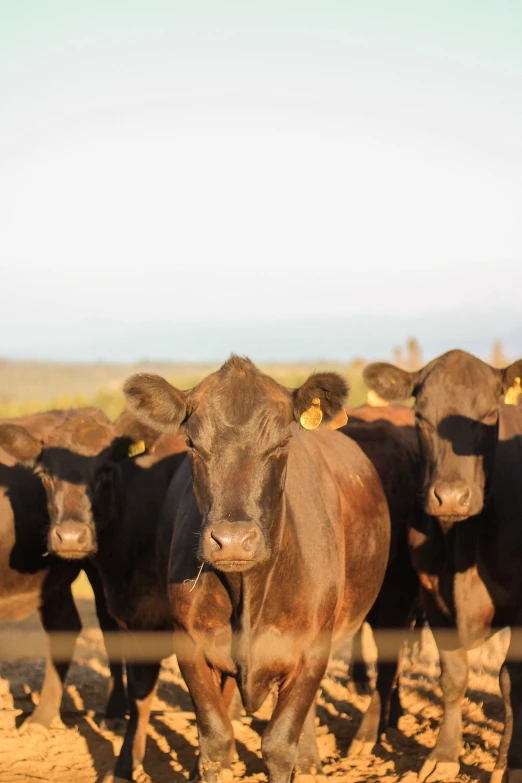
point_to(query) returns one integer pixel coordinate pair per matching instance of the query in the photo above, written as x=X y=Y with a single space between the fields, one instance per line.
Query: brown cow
x=28 y=579
x=279 y=543
x=468 y=548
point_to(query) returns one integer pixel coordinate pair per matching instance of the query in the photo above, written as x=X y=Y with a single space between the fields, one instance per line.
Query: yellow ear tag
x=338 y=421
x=513 y=393
x=136 y=448
x=313 y=416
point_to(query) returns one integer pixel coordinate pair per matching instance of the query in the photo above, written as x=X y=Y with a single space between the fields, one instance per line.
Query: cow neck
x=461 y=544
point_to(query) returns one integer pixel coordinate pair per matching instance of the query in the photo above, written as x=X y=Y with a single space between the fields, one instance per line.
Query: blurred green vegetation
x=27 y=387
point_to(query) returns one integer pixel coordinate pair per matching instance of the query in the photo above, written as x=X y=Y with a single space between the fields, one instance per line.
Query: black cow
x=106 y=506
x=279 y=543
x=468 y=548
x=126 y=498
x=29 y=579
x=387 y=436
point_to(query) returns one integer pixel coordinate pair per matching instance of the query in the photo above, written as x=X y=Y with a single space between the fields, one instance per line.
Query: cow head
x=457 y=401
x=238 y=427
x=66 y=463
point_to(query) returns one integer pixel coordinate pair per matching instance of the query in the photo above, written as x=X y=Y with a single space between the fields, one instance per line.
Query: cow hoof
x=366 y=738
x=433 y=770
x=115 y=725
x=392 y=735
x=361 y=747
x=33 y=727
x=359 y=687
x=223 y=775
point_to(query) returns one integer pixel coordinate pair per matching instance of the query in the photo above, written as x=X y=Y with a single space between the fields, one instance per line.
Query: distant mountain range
x=340 y=339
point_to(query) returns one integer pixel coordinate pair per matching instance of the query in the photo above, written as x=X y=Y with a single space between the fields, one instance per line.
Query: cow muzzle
x=71 y=540
x=449 y=501
x=233 y=546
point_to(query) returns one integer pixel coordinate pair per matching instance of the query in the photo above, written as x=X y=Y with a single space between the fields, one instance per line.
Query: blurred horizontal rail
x=100 y=714
x=149 y=646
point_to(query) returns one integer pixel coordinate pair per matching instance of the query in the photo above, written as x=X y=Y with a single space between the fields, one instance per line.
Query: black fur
x=389 y=382
x=329 y=387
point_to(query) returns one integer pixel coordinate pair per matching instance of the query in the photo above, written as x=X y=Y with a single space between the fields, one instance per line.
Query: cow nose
x=449 y=499
x=233 y=542
x=71 y=540
x=241 y=540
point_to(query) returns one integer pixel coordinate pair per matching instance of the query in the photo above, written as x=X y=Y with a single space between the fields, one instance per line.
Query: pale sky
x=264 y=161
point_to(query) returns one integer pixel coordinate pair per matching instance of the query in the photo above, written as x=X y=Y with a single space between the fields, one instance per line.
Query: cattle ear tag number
x=312 y=416
x=338 y=421
x=513 y=393
x=136 y=448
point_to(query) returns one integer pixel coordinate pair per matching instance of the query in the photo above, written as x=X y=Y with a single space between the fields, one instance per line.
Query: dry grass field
x=29 y=387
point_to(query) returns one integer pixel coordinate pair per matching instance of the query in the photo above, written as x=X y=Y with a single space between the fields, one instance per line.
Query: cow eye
x=196 y=452
x=284 y=442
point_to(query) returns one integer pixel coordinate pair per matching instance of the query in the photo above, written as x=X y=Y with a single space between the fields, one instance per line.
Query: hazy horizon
x=299 y=340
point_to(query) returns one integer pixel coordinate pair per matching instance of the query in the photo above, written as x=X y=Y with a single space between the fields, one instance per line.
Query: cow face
x=238 y=427
x=65 y=464
x=457 y=400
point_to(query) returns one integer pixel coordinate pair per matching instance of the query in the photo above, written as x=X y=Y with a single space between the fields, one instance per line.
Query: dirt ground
x=80 y=751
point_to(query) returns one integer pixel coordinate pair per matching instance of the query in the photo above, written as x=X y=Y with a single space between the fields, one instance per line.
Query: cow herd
x=258 y=528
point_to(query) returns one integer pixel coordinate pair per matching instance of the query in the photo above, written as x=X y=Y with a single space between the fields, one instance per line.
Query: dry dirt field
x=79 y=751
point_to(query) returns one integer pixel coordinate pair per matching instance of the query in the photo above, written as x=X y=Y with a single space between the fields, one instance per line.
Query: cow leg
x=358 y=669
x=295 y=702
x=308 y=761
x=502 y=759
x=514 y=737
x=142 y=680
x=232 y=697
x=375 y=720
x=58 y=614
x=217 y=748
x=396 y=710
x=116 y=706
x=443 y=762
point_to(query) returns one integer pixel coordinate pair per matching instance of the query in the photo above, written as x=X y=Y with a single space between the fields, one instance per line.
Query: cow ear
x=512 y=382
x=19 y=443
x=133 y=437
x=123 y=447
x=389 y=382
x=321 y=398
x=155 y=402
